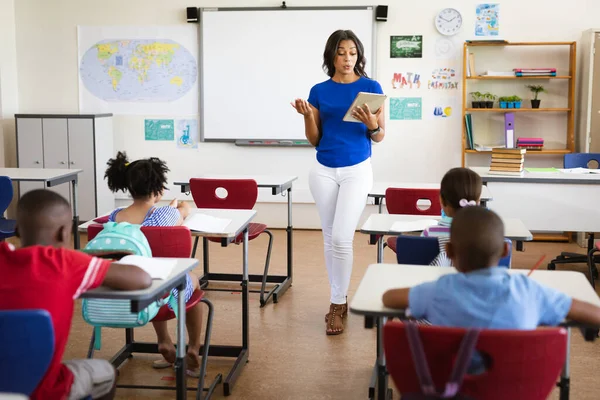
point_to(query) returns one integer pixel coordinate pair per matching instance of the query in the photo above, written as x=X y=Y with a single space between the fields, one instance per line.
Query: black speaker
x=380 y=13
x=192 y=14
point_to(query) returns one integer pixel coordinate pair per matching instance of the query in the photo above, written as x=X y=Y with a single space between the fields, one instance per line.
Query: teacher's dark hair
x=331 y=49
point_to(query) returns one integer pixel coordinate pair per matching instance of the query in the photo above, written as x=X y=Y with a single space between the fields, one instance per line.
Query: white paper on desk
x=206 y=223
x=580 y=171
x=157 y=268
x=412 y=226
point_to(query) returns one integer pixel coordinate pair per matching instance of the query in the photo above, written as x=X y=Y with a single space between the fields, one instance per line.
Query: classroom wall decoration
x=159 y=129
x=408 y=80
x=406 y=46
x=443 y=78
x=142 y=70
x=487 y=22
x=405 y=108
x=444 y=48
x=187 y=133
x=442 y=111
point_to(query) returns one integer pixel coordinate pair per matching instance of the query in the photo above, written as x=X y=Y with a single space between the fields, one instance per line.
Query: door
x=595 y=117
x=56 y=150
x=81 y=156
x=30 y=152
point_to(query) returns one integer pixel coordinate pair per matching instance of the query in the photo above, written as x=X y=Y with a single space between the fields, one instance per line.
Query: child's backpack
x=461 y=364
x=127 y=239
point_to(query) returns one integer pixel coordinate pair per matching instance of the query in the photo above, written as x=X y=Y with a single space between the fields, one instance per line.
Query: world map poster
x=138 y=70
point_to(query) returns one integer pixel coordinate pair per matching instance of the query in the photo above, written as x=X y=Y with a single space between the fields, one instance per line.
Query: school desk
x=50 y=178
x=367 y=301
x=377 y=192
x=381 y=224
x=239 y=224
x=141 y=299
x=279 y=185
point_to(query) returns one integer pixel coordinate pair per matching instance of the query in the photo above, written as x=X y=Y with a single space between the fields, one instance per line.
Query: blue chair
x=26 y=349
x=580 y=160
x=421 y=250
x=7 y=226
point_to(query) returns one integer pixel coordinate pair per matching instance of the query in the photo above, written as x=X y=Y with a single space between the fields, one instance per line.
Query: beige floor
x=290 y=355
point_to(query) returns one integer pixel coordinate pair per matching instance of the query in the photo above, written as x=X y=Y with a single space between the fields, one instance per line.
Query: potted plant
x=489 y=100
x=536 y=89
x=503 y=100
x=476 y=103
x=516 y=101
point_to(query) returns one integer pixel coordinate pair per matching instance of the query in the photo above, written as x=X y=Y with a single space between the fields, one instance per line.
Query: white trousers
x=341 y=196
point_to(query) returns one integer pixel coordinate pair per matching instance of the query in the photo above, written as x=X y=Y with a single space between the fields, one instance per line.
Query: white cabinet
x=69 y=141
x=588 y=129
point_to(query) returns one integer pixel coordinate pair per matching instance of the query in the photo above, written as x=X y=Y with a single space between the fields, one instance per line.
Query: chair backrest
x=421 y=250
x=26 y=349
x=404 y=201
x=416 y=250
x=523 y=364
x=6 y=193
x=241 y=194
x=165 y=241
x=582 y=160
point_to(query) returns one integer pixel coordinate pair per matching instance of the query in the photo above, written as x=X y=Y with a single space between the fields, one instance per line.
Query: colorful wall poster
x=487 y=22
x=159 y=129
x=187 y=133
x=406 y=46
x=405 y=108
x=443 y=78
x=442 y=110
x=407 y=80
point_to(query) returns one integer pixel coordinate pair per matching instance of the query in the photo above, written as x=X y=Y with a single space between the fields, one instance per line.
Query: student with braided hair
x=145 y=180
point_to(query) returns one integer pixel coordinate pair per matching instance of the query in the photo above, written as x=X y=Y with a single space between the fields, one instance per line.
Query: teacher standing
x=342 y=176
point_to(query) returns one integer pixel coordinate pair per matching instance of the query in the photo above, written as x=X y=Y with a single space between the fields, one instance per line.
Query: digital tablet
x=373 y=100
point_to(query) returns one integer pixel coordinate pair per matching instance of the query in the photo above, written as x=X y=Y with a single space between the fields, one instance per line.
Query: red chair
x=172 y=242
x=524 y=364
x=241 y=194
x=405 y=202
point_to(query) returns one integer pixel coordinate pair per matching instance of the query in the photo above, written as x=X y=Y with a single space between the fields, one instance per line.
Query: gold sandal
x=344 y=315
x=336 y=310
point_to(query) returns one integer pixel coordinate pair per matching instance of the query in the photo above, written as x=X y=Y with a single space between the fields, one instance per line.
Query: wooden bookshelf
x=470 y=82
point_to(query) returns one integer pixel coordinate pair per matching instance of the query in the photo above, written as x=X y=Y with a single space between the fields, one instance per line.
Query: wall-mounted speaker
x=192 y=14
x=381 y=13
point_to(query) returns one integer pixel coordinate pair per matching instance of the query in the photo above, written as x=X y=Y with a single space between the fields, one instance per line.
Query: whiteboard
x=254 y=62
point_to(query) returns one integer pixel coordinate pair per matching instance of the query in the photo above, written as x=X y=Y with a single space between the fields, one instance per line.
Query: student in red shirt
x=43 y=274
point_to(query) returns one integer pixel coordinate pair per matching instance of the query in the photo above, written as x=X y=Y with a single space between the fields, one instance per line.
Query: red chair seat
x=254 y=230
x=598 y=246
x=391 y=243
x=165 y=313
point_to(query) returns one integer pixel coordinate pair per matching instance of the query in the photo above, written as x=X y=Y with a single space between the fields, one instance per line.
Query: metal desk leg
x=180 y=360
x=382 y=375
x=75 y=216
x=380 y=250
x=287 y=282
x=565 y=378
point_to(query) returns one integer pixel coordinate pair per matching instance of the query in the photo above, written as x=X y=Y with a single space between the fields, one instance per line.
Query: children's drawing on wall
x=406 y=46
x=487 y=22
x=443 y=78
x=159 y=129
x=405 y=108
x=441 y=110
x=408 y=80
x=187 y=133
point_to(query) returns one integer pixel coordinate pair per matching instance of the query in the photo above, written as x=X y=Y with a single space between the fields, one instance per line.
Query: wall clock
x=448 y=22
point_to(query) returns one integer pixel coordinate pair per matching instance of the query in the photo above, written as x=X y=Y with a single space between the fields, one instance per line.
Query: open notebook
x=412 y=226
x=206 y=223
x=157 y=268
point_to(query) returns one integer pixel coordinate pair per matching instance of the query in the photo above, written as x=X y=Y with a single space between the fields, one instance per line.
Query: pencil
x=536 y=265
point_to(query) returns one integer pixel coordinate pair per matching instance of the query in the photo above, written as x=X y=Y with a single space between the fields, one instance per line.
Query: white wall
x=9 y=98
x=46 y=45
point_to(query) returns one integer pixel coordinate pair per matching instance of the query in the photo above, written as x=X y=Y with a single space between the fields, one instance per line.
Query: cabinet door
x=81 y=156
x=56 y=150
x=30 y=152
x=595 y=114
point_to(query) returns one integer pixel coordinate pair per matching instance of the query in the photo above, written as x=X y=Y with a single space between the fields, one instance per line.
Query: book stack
x=507 y=161
x=521 y=72
x=535 y=144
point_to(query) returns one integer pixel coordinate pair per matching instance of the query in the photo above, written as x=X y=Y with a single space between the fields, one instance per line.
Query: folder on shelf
x=509 y=130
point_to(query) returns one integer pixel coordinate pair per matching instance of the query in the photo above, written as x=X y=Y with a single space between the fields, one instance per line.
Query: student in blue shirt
x=342 y=176
x=482 y=295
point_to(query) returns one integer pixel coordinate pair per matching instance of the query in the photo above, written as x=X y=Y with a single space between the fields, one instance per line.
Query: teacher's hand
x=302 y=107
x=364 y=115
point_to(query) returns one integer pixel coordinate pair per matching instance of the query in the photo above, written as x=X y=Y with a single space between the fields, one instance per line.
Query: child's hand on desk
x=184 y=209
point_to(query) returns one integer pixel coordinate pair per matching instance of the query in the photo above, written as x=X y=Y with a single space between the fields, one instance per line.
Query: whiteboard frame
x=372 y=59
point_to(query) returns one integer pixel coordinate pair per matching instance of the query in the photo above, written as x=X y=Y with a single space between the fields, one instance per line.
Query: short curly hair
x=142 y=178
